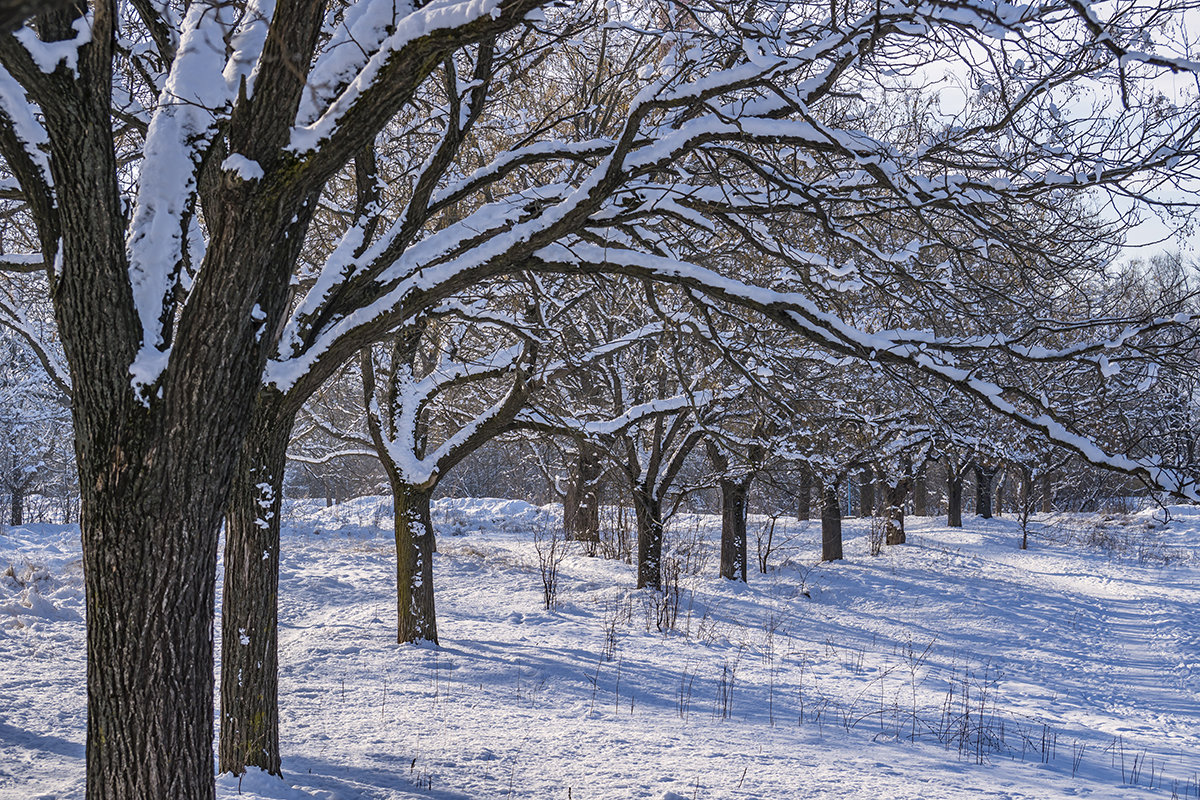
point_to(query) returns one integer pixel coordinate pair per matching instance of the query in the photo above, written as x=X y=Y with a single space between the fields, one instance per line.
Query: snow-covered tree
x=446 y=390
x=34 y=425
x=176 y=159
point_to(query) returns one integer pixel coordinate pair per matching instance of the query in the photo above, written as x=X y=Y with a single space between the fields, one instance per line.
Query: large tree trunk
x=415 y=616
x=733 y=528
x=831 y=524
x=895 y=498
x=954 y=487
x=650 y=539
x=155 y=483
x=1047 y=493
x=804 y=501
x=156 y=454
x=249 y=715
x=156 y=466
x=155 y=475
x=17 y=516
x=150 y=646
x=581 y=507
x=866 y=493
x=984 y=482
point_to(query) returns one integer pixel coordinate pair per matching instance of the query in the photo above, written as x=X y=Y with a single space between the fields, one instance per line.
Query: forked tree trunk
x=895 y=498
x=155 y=484
x=831 y=524
x=866 y=493
x=249 y=718
x=954 y=487
x=733 y=528
x=581 y=507
x=650 y=539
x=804 y=501
x=415 y=617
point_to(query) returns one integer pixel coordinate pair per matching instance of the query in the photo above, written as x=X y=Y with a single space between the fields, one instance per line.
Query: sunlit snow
x=956 y=666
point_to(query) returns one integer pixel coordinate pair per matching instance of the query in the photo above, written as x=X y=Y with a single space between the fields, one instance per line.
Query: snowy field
x=956 y=666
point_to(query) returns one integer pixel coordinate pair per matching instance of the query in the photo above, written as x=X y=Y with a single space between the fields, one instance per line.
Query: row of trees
x=747 y=225
x=647 y=411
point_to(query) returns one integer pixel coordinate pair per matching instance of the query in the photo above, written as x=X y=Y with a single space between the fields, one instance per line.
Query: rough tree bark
x=920 y=495
x=733 y=527
x=156 y=456
x=157 y=473
x=14 y=13
x=415 y=613
x=156 y=461
x=1047 y=493
x=831 y=524
x=150 y=683
x=416 y=619
x=249 y=717
x=648 y=510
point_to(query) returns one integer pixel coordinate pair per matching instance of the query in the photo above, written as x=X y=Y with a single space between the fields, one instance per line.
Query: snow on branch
x=790 y=129
x=800 y=314
x=449 y=372
x=543 y=420
x=249 y=38
x=195 y=100
x=334 y=456
x=48 y=56
x=362 y=30
x=357 y=56
x=21 y=117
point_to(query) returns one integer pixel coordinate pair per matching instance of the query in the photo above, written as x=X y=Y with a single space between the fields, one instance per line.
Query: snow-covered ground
x=956 y=666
